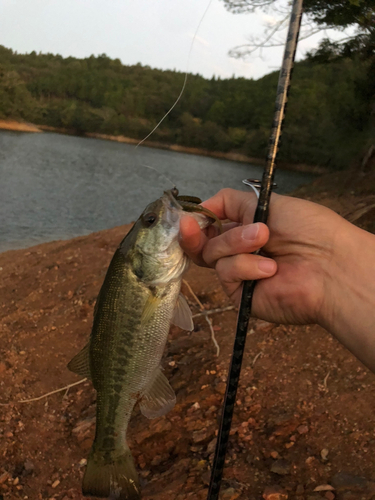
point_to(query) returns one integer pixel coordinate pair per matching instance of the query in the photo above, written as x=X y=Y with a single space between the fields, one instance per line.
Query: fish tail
x=112 y=477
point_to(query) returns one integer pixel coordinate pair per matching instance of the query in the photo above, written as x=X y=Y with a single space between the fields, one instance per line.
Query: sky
x=157 y=33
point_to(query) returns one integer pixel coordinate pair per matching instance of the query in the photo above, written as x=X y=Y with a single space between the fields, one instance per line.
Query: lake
x=56 y=186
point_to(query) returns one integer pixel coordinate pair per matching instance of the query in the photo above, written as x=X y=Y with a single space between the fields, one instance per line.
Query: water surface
x=54 y=186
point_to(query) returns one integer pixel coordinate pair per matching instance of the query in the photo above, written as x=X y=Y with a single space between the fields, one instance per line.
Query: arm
x=351 y=291
x=319 y=268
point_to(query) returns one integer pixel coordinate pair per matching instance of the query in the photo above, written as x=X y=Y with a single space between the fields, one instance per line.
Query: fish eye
x=149 y=219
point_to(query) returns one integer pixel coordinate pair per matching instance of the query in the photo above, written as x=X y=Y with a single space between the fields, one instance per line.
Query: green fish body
x=139 y=299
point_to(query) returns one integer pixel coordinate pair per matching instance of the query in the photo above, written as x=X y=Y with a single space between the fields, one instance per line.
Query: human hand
x=324 y=267
x=298 y=251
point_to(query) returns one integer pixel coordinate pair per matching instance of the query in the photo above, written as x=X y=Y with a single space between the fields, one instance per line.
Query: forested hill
x=327 y=121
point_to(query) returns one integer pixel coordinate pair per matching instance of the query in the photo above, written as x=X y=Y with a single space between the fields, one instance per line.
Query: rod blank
x=261 y=215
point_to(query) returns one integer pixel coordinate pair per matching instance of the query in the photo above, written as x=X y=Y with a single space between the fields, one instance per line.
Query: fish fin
x=149 y=309
x=115 y=479
x=80 y=364
x=182 y=316
x=96 y=306
x=158 y=397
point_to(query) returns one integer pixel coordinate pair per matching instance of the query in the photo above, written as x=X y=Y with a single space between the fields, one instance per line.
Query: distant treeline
x=327 y=120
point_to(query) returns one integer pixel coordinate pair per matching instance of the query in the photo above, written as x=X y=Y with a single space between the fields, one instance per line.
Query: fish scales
x=139 y=299
x=131 y=354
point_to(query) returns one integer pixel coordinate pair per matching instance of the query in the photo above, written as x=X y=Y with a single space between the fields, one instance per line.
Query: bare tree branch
x=244 y=6
x=254 y=45
x=270 y=38
x=318 y=17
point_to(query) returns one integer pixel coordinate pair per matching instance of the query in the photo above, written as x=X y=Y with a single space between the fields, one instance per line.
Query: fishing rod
x=261 y=215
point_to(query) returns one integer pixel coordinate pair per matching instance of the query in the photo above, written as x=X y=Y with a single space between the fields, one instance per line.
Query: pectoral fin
x=80 y=364
x=182 y=316
x=158 y=398
x=149 y=309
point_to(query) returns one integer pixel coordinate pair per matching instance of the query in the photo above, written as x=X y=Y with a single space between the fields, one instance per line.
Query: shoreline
x=17 y=126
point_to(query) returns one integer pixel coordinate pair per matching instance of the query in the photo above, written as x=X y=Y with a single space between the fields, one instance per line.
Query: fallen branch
x=214 y=311
x=357 y=214
x=193 y=294
x=66 y=388
x=213 y=335
x=256 y=358
x=205 y=314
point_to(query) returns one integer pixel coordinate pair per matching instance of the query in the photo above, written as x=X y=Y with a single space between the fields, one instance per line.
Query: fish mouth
x=188 y=205
x=173 y=210
x=171 y=196
x=192 y=205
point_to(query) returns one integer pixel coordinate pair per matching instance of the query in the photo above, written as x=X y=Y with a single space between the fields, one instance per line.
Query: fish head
x=152 y=245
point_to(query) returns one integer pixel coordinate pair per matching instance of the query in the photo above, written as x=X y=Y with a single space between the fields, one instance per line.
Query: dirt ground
x=304 y=423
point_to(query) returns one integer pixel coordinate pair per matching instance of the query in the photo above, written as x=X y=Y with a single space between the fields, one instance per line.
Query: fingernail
x=267 y=266
x=250 y=232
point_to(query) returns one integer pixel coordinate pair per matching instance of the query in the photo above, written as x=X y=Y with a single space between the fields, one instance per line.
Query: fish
x=139 y=299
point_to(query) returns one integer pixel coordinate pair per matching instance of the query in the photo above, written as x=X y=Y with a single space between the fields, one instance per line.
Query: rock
x=4 y=477
x=83 y=426
x=275 y=493
x=302 y=429
x=343 y=481
x=201 y=436
x=281 y=467
x=324 y=487
x=211 y=446
x=329 y=495
x=263 y=326
x=3 y=367
x=221 y=387
x=229 y=494
x=160 y=425
x=55 y=484
x=324 y=454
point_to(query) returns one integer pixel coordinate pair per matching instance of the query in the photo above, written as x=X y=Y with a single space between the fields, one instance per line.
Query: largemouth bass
x=139 y=299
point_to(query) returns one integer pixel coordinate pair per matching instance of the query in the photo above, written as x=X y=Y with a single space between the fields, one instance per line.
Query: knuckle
x=225 y=191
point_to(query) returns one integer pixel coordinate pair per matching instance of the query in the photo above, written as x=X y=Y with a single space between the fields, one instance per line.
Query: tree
x=359 y=15
x=328 y=111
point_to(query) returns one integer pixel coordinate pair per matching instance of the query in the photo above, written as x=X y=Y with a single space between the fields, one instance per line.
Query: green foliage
x=15 y=99
x=327 y=120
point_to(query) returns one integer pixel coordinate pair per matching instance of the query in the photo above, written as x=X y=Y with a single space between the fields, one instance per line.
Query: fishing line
x=178 y=98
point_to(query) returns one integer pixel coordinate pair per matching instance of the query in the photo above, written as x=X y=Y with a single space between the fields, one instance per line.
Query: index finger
x=234 y=205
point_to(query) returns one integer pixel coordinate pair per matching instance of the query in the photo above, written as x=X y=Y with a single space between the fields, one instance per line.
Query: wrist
x=348 y=311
